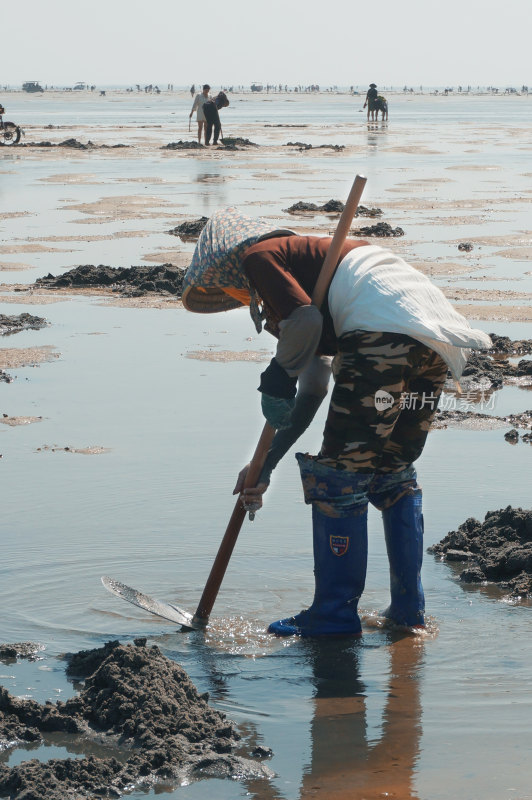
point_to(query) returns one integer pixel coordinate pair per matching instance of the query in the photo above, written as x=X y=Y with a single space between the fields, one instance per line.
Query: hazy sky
x=344 y=42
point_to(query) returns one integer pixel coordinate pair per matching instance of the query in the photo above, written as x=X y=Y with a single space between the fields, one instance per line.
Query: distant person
x=197 y=106
x=371 y=97
x=381 y=104
x=210 y=109
x=192 y=90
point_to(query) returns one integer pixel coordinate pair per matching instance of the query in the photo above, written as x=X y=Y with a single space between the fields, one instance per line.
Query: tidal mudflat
x=144 y=415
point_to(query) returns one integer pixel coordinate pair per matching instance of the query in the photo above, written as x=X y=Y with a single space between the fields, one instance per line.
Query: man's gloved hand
x=278 y=395
x=277 y=410
x=251 y=498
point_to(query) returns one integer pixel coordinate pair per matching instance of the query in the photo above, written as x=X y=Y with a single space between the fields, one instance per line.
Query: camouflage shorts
x=386 y=392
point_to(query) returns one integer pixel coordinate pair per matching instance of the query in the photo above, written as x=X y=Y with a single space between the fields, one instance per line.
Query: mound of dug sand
x=131 y=281
x=11 y=652
x=381 y=230
x=331 y=206
x=483 y=371
x=20 y=322
x=505 y=345
x=489 y=369
x=74 y=144
x=498 y=550
x=133 y=698
x=189 y=231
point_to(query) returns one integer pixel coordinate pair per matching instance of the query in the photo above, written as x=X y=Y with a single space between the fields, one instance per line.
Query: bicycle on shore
x=9 y=132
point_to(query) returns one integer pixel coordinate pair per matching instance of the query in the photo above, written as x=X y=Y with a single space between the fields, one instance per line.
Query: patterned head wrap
x=217 y=263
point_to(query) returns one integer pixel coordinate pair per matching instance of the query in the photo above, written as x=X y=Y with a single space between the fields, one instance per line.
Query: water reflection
x=60 y=745
x=214 y=187
x=344 y=762
x=376 y=134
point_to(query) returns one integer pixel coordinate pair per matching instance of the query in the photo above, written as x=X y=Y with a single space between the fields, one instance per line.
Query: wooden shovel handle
x=340 y=235
x=228 y=542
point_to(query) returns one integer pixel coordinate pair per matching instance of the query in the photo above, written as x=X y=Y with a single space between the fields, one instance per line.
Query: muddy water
x=163 y=434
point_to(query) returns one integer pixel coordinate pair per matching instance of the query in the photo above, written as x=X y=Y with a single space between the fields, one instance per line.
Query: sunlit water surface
x=446 y=715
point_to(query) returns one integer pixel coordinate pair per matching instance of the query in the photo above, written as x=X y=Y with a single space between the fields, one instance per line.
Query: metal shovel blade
x=151 y=604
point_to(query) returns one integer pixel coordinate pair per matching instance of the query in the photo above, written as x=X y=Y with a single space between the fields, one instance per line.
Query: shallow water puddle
x=59 y=746
x=410 y=717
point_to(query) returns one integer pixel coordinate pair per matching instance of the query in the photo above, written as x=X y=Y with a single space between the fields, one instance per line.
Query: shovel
x=201 y=617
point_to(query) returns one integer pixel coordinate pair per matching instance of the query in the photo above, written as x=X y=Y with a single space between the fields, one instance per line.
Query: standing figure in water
x=391 y=336
x=197 y=106
x=371 y=97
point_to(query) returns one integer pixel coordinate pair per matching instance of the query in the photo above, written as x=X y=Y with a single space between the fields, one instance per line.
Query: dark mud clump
x=364 y=211
x=127 y=281
x=484 y=371
x=180 y=145
x=189 y=231
x=506 y=346
x=513 y=437
x=466 y=420
x=229 y=143
x=498 y=550
x=523 y=369
x=331 y=207
x=11 y=652
x=381 y=229
x=522 y=420
x=304 y=146
x=491 y=368
x=20 y=322
x=74 y=144
x=336 y=147
x=300 y=145
x=15 y=324
x=473 y=420
x=133 y=698
x=336 y=206
x=237 y=141
x=302 y=208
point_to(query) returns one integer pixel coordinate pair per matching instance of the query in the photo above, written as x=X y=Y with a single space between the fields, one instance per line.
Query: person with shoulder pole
x=393 y=336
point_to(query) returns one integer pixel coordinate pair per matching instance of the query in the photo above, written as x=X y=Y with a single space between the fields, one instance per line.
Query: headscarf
x=217 y=263
x=221 y=100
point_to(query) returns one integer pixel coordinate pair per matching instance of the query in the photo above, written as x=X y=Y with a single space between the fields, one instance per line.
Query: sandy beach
x=126 y=420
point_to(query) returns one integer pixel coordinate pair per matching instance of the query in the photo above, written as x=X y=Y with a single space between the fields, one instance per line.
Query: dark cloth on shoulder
x=211 y=112
x=284 y=272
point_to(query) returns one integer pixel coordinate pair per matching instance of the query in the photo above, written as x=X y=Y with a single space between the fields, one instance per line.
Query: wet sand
x=327 y=696
x=14 y=357
x=136 y=703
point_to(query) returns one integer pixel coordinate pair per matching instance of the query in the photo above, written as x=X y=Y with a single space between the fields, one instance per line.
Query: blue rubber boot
x=340 y=540
x=403 y=530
